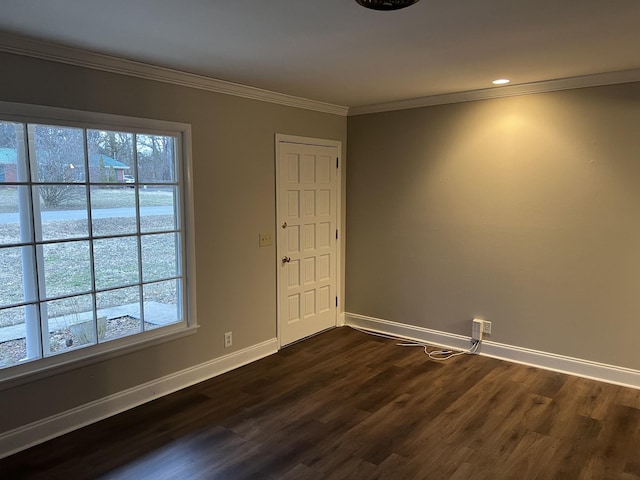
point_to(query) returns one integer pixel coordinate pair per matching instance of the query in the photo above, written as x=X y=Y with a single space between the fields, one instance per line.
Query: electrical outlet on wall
x=228 y=339
x=486 y=327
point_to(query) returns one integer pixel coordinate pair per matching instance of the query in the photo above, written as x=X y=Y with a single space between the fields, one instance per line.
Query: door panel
x=307 y=219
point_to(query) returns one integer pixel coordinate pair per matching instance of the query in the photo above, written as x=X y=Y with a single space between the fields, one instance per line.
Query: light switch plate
x=266 y=239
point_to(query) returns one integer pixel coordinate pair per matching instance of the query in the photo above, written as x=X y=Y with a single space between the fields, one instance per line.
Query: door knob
x=284 y=224
x=286 y=259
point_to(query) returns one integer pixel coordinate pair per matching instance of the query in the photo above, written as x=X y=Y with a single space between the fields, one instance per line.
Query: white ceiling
x=338 y=52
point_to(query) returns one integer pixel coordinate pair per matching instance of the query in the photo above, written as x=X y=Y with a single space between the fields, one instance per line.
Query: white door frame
x=282 y=138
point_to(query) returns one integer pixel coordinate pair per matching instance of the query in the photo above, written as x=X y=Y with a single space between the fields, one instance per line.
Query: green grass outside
x=67 y=266
x=118 y=197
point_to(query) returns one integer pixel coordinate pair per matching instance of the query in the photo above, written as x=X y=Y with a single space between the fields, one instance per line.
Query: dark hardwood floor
x=345 y=405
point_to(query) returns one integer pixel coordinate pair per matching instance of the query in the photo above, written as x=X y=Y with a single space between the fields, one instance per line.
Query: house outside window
x=93 y=244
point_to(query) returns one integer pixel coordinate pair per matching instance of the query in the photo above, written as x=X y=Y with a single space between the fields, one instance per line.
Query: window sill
x=49 y=366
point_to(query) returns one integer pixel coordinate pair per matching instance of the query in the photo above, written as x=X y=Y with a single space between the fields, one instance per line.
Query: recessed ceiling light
x=501 y=81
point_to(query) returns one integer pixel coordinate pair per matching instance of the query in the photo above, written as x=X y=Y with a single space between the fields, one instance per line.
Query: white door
x=307 y=244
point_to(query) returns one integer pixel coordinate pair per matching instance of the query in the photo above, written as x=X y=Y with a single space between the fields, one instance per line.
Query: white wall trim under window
x=38 y=432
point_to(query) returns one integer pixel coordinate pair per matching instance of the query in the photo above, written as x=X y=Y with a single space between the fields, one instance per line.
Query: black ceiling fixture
x=386 y=4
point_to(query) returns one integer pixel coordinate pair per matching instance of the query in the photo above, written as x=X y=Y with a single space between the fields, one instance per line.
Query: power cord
x=443 y=354
x=440 y=355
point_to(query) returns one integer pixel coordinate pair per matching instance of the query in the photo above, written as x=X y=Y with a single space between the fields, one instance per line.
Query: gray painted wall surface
x=524 y=211
x=521 y=210
x=234 y=190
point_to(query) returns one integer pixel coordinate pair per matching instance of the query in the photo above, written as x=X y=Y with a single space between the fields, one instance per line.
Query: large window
x=92 y=238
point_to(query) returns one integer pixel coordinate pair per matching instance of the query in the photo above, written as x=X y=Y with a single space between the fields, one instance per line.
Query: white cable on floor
x=433 y=355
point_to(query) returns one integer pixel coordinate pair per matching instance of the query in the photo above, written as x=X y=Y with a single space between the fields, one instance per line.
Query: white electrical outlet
x=477 y=328
x=228 y=339
x=486 y=327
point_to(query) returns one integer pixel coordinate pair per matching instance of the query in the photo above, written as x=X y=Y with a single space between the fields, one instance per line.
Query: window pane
x=113 y=211
x=122 y=310
x=14 y=200
x=156 y=158
x=161 y=304
x=57 y=156
x=68 y=219
x=13 y=288
x=71 y=324
x=67 y=268
x=110 y=156
x=12 y=153
x=72 y=277
x=158 y=209
x=159 y=256
x=116 y=262
x=13 y=333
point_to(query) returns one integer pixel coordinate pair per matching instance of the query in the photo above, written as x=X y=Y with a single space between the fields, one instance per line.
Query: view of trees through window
x=90 y=237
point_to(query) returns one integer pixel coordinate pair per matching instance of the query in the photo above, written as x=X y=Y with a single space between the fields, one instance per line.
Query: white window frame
x=55 y=364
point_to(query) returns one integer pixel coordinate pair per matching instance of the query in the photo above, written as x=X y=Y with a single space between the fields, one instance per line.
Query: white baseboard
x=625 y=377
x=29 y=435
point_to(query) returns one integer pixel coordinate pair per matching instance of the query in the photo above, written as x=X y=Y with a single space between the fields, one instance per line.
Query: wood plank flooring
x=346 y=405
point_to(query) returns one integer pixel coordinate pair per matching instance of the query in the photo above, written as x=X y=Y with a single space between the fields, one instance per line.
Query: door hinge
x=336 y=301
x=336 y=233
x=337 y=162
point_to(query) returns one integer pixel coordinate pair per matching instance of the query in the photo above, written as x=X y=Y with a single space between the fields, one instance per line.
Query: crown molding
x=595 y=80
x=11 y=43
x=19 y=45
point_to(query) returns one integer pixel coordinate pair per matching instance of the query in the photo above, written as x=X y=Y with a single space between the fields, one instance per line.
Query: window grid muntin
x=179 y=163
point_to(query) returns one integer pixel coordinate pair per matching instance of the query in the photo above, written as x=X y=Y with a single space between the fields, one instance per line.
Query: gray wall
x=521 y=210
x=234 y=190
x=524 y=211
